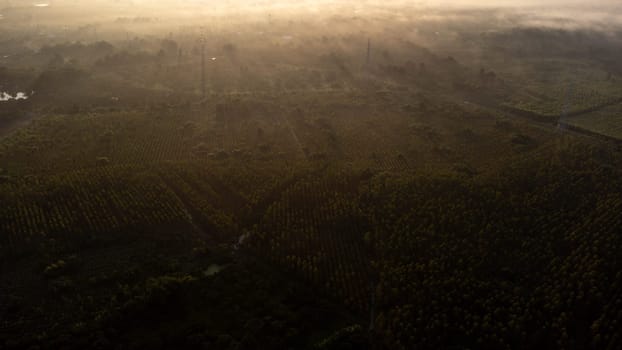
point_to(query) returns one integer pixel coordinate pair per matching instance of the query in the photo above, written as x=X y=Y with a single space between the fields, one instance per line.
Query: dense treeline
x=522 y=259
x=522 y=255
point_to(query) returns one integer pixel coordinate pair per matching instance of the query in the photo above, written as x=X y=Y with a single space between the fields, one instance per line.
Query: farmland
x=363 y=177
x=605 y=121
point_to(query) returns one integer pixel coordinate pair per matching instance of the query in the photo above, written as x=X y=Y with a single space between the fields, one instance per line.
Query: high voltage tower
x=202 y=68
x=368 y=51
x=561 y=124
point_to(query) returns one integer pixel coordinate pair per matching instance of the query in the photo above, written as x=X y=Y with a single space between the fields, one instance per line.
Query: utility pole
x=368 y=51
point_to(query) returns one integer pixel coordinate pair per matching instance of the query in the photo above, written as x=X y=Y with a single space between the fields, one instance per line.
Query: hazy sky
x=561 y=3
x=430 y=3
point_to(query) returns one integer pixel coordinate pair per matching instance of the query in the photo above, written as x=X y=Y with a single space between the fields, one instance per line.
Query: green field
x=607 y=121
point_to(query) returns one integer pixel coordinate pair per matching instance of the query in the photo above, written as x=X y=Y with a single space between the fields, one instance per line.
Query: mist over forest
x=254 y=174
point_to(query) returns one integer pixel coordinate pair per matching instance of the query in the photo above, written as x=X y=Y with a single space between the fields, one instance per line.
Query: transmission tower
x=202 y=68
x=368 y=52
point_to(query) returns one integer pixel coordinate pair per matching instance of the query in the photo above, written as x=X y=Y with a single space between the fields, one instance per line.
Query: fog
x=72 y=14
x=522 y=3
